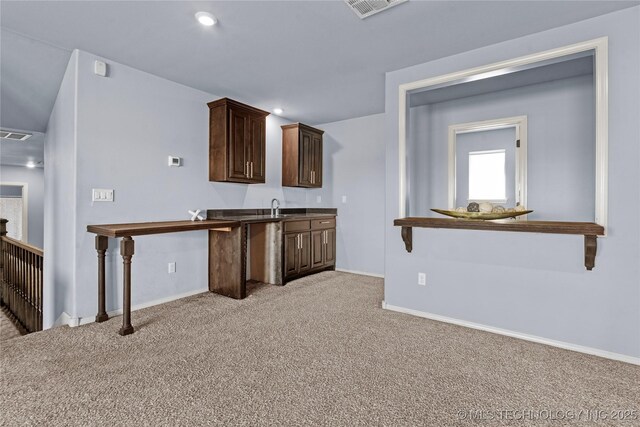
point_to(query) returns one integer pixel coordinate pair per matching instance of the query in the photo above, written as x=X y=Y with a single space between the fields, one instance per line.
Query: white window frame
x=520 y=125
x=25 y=207
x=600 y=48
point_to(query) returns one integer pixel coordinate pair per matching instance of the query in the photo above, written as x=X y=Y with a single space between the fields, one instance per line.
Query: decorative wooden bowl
x=482 y=216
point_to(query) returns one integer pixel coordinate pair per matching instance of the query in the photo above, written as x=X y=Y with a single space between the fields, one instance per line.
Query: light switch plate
x=344 y=199
x=102 y=195
x=318 y=199
x=172 y=267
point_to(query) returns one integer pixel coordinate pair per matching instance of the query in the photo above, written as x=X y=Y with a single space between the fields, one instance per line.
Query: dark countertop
x=264 y=215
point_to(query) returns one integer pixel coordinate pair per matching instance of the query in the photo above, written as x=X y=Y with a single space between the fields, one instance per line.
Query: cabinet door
x=305 y=158
x=257 y=149
x=238 y=138
x=330 y=246
x=291 y=254
x=317 y=248
x=317 y=160
x=305 y=252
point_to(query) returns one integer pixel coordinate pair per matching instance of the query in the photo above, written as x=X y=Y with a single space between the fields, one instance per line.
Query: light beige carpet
x=319 y=351
x=8 y=329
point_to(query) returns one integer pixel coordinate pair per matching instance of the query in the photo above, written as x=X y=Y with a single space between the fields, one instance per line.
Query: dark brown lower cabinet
x=317 y=248
x=297 y=254
x=309 y=251
x=330 y=247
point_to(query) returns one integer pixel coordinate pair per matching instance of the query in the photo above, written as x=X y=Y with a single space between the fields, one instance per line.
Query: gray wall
x=533 y=283
x=59 y=200
x=35 y=209
x=354 y=167
x=561 y=146
x=127 y=125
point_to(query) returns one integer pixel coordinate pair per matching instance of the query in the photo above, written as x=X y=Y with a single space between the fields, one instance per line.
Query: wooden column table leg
x=102 y=244
x=126 y=250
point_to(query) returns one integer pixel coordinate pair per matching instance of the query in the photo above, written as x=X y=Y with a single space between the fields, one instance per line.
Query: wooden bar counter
x=126 y=232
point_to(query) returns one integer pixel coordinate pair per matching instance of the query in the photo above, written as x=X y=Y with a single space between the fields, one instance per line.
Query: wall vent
x=14 y=136
x=366 y=8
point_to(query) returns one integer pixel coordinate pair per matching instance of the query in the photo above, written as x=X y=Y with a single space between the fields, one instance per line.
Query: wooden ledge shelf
x=589 y=230
x=146 y=228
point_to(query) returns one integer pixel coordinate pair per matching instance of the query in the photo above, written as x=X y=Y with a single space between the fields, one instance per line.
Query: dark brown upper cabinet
x=301 y=156
x=237 y=134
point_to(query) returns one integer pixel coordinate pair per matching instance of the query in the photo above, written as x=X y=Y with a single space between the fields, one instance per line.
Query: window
x=487 y=176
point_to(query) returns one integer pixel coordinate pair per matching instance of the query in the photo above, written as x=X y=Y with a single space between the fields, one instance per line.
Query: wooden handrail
x=27 y=247
x=21 y=284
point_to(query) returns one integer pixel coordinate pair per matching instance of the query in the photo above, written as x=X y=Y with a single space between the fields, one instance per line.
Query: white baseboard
x=86 y=320
x=362 y=273
x=63 y=320
x=533 y=338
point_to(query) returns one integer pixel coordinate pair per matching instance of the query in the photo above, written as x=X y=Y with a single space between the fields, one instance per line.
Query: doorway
x=14 y=202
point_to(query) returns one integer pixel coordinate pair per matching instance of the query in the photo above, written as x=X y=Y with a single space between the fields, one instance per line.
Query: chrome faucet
x=275 y=211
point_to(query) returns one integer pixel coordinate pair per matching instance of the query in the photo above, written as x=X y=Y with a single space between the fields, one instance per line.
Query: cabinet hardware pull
x=251 y=169
x=325 y=222
x=247 y=170
x=324 y=237
x=298 y=240
x=312 y=181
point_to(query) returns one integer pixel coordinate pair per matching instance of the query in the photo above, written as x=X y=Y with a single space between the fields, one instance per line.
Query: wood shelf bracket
x=407 y=237
x=590 y=249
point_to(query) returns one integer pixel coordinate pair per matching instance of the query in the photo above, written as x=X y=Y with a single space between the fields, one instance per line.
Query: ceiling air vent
x=14 y=136
x=366 y=8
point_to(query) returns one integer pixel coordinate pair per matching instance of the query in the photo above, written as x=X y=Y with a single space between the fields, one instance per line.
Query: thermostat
x=175 y=161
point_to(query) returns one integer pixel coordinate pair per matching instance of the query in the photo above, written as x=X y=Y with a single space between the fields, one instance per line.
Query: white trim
x=63 y=320
x=362 y=273
x=25 y=207
x=533 y=338
x=74 y=210
x=402 y=152
x=517 y=122
x=79 y=321
x=599 y=46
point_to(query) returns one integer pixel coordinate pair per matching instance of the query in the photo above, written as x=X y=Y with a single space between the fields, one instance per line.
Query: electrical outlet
x=172 y=267
x=344 y=199
x=318 y=199
x=422 y=279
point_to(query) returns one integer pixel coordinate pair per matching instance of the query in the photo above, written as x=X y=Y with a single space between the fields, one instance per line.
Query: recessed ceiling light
x=206 y=19
x=31 y=165
x=278 y=111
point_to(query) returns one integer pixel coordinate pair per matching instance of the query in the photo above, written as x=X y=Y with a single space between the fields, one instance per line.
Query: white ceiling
x=556 y=70
x=315 y=59
x=19 y=153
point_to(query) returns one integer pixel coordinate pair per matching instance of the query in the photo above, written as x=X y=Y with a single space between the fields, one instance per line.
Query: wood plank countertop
x=555 y=227
x=146 y=228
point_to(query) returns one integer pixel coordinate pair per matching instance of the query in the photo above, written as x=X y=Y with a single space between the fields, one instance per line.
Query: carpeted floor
x=319 y=351
x=7 y=329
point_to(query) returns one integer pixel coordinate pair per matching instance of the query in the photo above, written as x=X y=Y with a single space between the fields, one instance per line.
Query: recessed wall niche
x=558 y=95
